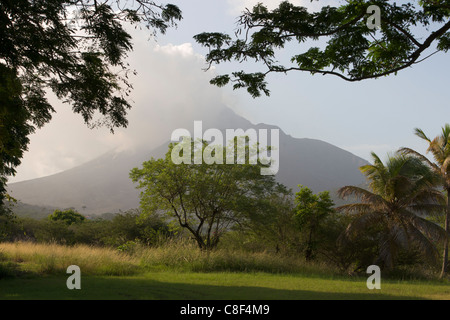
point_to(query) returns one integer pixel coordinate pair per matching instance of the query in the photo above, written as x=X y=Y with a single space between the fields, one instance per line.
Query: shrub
x=69 y=216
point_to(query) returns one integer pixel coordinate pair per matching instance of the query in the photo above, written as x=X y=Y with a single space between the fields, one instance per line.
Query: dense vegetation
x=398 y=221
x=215 y=217
x=161 y=246
x=49 y=47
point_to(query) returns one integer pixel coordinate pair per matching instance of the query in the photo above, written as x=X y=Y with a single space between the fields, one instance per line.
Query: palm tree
x=399 y=193
x=440 y=149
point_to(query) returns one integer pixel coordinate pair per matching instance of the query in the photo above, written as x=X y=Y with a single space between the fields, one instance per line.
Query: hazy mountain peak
x=103 y=185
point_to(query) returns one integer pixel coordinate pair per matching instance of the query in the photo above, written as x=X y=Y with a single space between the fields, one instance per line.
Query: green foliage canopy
x=311 y=209
x=68 y=216
x=74 y=48
x=353 y=51
x=206 y=199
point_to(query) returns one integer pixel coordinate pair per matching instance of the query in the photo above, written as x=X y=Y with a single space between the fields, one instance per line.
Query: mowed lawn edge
x=171 y=285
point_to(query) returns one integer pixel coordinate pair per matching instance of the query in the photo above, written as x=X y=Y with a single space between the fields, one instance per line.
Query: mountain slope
x=103 y=185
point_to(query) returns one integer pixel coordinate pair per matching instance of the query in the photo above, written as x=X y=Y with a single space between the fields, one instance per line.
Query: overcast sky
x=375 y=115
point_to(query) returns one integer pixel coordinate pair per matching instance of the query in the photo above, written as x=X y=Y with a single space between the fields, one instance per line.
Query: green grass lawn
x=216 y=286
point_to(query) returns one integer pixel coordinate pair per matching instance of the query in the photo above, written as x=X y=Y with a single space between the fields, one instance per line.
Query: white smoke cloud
x=170 y=88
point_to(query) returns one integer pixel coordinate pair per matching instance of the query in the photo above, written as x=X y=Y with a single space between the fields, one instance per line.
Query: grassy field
x=216 y=286
x=32 y=271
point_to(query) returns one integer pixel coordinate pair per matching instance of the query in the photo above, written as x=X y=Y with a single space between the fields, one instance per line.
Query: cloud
x=171 y=88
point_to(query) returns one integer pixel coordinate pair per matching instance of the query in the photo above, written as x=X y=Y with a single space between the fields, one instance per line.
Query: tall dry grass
x=55 y=258
x=182 y=256
x=186 y=256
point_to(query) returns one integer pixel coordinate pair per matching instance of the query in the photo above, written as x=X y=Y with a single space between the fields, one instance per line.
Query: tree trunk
x=445 y=255
x=308 y=252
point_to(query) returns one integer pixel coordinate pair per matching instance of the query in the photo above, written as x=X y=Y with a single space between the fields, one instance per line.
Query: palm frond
x=364 y=195
x=436 y=147
x=428 y=228
x=376 y=159
x=377 y=174
x=446 y=133
x=358 y=208
x=445 y=166
x=409 y=151
x=419 y=132
x=428 y=209
x=387 y=251
x=362 y=222
x=426 y=195
x=423 y=244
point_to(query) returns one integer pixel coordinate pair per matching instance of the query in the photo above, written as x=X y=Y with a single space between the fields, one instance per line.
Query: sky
x=373 y=115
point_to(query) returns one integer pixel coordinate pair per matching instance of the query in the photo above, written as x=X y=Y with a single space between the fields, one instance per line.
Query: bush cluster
x=106 y=230
x=244 y=248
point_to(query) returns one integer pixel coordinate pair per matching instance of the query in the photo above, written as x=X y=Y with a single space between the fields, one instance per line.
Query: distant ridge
x=102 y=185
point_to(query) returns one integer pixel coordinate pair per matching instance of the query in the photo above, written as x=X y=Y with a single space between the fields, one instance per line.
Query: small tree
x=273 y=225
x=205 y=199
x=311 y=209
x=69 y=216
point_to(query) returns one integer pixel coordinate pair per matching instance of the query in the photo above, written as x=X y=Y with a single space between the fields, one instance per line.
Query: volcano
x=102 y=185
